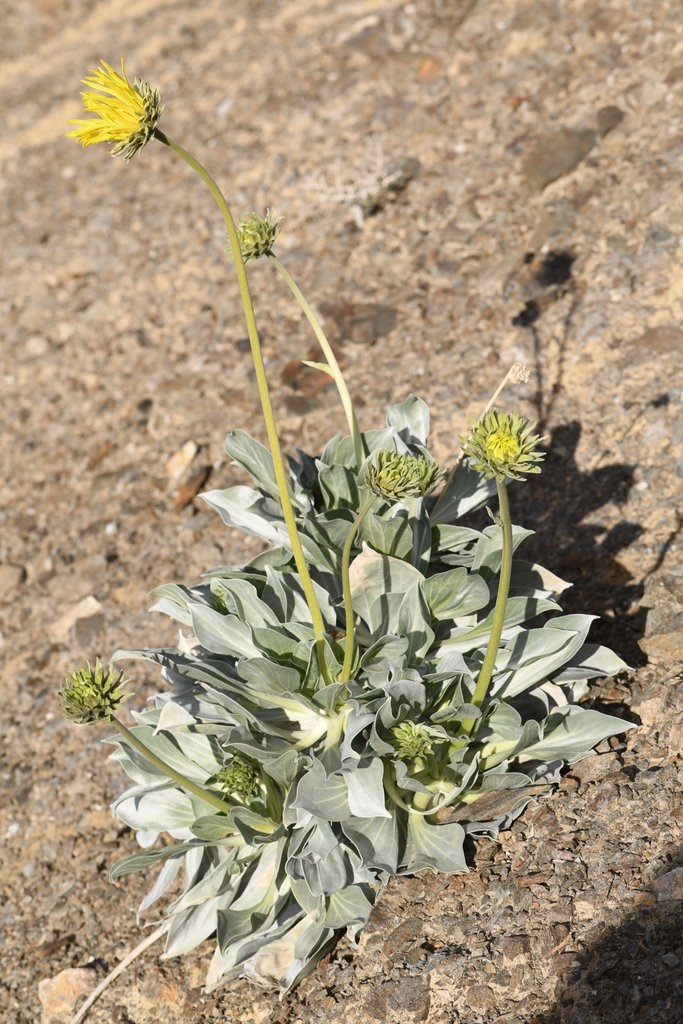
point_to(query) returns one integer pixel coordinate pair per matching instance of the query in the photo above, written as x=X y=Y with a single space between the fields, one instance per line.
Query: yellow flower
x=502 y=444
x=502 y=447
x=126 y=114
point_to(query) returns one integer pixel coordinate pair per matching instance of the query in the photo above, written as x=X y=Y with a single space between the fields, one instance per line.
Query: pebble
x=670 y=885
x=11 y=577
x=557 y=153
x=58 y=995
x=89 y=613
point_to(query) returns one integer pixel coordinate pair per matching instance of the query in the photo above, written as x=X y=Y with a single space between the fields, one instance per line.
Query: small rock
x=666 y=339
x=89 y=609
x=556 y=154
x=670 y=885
x=361 y=322
x=191 y=488
x=180 y=460
x=663 y=647
x=608 y=119
x=58 y=995
x=11 y=577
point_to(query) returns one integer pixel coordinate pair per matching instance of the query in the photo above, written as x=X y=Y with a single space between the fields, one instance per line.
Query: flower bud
x=411 y=741
x=501 y=444
x=257 y=235
x=91 y=696
x=395 y=476
x=239 y=781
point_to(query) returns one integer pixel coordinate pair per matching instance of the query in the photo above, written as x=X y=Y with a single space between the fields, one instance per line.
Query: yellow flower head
x=126 y=114
x=502 y=444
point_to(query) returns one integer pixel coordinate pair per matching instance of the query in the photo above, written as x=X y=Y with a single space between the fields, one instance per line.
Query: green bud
x=257 y=235
x=411 y=741
x=239 y=781
x=395 y=476
x=501 y=444
x=91 y=696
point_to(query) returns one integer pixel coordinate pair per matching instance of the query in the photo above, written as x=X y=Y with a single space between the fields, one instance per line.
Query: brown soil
x=511 y=128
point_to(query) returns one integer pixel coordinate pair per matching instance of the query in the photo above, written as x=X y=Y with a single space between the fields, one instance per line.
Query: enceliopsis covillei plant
x=378 y=684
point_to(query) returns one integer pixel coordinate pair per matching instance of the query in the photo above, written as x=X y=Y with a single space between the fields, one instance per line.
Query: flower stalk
x=331 y=366
x=171 y=773
x=350 y=641
x=486 y=671
x=264 y=395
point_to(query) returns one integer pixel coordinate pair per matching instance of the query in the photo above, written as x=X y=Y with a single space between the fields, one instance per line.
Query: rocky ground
x=465 y=184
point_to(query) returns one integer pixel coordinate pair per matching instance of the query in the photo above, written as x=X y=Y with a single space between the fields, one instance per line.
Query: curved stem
x=487 y=667
x=333 y=367
x=171 y=773
x=264 y=394
x=350 y=642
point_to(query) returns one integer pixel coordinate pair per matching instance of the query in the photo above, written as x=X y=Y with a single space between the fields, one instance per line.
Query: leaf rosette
x=335 y=787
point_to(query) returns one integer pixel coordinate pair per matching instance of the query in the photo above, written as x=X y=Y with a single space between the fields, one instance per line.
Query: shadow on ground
x=632 y=974
x=557 y=505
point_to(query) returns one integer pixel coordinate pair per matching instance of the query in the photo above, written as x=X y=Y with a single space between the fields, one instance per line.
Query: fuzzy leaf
x=455 y=593
x=433 y=846
x=571 y=733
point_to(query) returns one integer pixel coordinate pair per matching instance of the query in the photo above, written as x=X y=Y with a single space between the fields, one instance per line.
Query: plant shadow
x=560 y=506
x=630 y=974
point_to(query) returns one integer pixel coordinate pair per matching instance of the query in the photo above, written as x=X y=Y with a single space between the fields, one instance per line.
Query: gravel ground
x=529 y=207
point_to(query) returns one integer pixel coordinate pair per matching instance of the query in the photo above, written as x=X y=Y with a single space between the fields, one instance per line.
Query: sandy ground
x=531 y=209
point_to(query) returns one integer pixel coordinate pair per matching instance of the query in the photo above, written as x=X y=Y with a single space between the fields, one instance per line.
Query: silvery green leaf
x=517 y=610
x=421 y=531
x=164 y=881
x=285 y=960
x=376 y=840
x=388 y=536
x=385 y=650
x=265 y=675
x=532 y=580
x=192 y=926
x=212 y=827
x=329 y=872
x=254 y=828
x=489 y=548
x=284 y=594
x=339 y=485
x=249 y=510
x=589 y=662
x=193 y=754
x=222 y=634
x=366 y=791
x=413 y=621
x=160 y=810
x=455 y=593
x=372 y=576
x=410 y=418
x=324 y=797
x=239 y=597
x=172 y=600
x=210 y=871
x=537 y=653
x=571 y=733
x=454 y=545
x=433 y=846
x=258 y=462
x=465 y=491
x=349 y=907
x=144 y=859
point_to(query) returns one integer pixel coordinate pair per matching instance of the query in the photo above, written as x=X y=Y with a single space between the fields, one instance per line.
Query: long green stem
x=350 y=641
x=333 y=367
x=185 y=783
x=481 y=689
x=264 y=394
